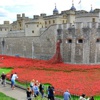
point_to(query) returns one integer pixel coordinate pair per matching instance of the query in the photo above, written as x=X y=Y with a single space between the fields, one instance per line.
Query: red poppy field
x=77 y=78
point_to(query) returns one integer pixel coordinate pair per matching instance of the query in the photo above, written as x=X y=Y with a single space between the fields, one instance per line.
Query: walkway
x=17 y=93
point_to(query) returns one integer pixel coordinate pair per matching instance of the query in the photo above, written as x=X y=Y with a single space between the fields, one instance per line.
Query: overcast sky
x=9 y=8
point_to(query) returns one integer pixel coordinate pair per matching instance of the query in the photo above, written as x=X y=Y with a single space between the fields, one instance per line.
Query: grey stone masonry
x=80 y=43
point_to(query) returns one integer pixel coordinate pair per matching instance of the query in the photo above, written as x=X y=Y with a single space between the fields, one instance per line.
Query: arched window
x=45 y=22
x=32 y=31
x=49 y=22
x=53 y=21
x=93 y=19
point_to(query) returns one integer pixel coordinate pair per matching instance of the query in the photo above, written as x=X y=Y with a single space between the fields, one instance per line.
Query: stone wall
x=41 y=47
x=21 y=46
x=84 y=47
x=80 y=44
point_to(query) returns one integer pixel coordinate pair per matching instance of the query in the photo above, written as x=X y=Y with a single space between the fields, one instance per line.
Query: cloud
x=6 y=2
x=9 y=8
x=3 y=12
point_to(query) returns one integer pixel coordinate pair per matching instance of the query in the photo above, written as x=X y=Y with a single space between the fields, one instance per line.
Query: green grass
x=97 y=97
x=5 y=70
x=4 y=97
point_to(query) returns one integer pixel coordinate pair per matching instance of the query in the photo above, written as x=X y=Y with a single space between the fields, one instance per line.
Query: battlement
x=6 y=22
x=42 y=14
x=19 y=16
x=88 y=14
x=36 y=16
x=81 y=25
x=68 y=12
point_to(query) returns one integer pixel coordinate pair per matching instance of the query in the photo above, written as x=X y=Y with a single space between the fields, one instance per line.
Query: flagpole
x=80 y=5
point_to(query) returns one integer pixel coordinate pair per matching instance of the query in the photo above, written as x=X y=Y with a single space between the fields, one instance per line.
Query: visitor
x=91 y=98
x=48 y=92
x=35 y=90
x=3 y=77
x=37 y=83
x=51 y=93
x=10 y=79
x=67 y=95
x=41 y=90
x=28 y=92
x=14 y=77
x=32 y=84
x=82 y=97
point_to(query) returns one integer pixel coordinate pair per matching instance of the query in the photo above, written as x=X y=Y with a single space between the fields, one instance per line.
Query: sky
x=10 y=8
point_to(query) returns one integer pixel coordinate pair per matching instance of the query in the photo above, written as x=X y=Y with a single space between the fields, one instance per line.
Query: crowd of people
x=83 y=97
x=35 y=89
x=67 y=96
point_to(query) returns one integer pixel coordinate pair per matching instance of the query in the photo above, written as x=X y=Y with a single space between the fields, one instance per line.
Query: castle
x=36 y=37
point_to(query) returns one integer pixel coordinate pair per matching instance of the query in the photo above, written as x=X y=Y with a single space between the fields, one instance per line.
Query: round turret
x=73 y=8
x=91 y=11
x=55 y=11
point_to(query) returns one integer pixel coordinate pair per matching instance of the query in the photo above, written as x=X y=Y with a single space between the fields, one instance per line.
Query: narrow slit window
x=69 y=41
x=80 y=41
x=98 y=41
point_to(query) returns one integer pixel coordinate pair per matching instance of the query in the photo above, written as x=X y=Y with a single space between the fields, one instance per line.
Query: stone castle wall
x=80 y=43
x=85 y=44
x=41 y=47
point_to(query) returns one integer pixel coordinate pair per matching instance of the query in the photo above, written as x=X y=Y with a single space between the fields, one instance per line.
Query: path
x=17 y=93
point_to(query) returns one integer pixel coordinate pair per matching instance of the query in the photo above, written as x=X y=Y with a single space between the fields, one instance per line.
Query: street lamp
x=3 y=44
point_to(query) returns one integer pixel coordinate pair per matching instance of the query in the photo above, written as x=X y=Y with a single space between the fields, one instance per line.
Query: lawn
x=77 y=78
x=4 y=97
x=5 y=70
